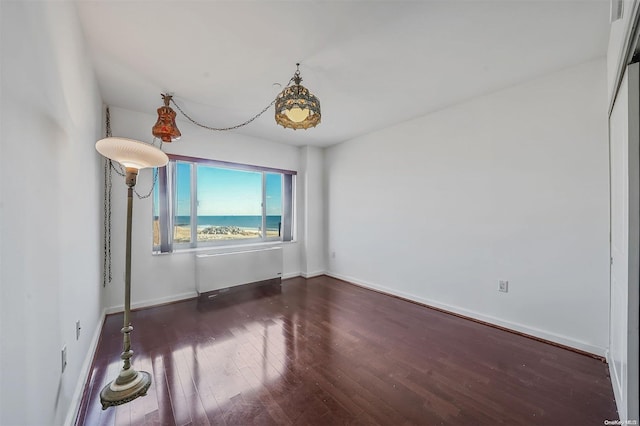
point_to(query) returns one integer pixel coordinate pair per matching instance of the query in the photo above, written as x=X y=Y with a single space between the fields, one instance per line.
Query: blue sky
x=228 y=192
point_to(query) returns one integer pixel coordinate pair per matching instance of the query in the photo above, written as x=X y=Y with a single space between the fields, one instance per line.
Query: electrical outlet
x=78 y=330
x=64 y=357
x=503 y=286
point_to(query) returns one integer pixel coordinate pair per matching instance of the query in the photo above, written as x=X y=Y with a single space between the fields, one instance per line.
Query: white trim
x=76 y=399
x=291 y=275
x=153 y=302
x=624 y=380
x=312 y=274
x=626 y=50
x=230 y=248
x=563 y=340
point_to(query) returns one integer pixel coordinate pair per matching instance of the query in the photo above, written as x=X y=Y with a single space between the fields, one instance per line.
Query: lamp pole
x=130 y=383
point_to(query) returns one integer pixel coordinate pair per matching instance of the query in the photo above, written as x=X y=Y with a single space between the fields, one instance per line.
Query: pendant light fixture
x=166 y=128
x=296 y=107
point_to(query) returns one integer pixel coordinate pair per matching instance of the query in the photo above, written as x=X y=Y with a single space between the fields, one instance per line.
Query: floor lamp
x=133 y=155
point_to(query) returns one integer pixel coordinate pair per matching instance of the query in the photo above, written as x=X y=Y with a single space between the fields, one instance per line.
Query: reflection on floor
x=321 y=351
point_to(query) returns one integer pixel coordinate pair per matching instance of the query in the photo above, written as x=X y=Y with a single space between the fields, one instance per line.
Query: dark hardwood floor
x=321 y=351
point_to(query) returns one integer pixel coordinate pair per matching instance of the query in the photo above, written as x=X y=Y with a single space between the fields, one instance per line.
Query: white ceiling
x=372 y=64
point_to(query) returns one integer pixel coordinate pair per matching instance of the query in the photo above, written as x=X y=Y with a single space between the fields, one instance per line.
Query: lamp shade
x=131 y=153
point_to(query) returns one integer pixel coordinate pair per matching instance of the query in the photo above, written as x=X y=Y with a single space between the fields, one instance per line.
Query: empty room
x=319 y=212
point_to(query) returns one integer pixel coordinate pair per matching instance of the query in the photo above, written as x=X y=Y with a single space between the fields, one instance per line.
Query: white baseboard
x=72 y=413
x=154 y=302
x=291 y=275
x=521 y=328
x=303 y=274
x=312 y=274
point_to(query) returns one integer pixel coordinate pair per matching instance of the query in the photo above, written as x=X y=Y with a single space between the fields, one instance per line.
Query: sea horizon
x=241 y=221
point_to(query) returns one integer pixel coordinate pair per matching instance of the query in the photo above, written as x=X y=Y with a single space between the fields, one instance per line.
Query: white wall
x=509 y=186
x=312 y=226
x=168 y=277
x=50 y=210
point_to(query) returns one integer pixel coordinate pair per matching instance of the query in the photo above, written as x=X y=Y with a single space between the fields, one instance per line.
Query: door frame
x=625 y=382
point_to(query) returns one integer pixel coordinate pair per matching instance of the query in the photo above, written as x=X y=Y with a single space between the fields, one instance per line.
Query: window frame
x=167 y=208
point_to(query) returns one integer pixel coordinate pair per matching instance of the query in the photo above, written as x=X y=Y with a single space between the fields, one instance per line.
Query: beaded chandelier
x=296 y=107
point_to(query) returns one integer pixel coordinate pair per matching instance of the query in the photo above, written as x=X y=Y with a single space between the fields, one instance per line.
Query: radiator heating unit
x=219 y=272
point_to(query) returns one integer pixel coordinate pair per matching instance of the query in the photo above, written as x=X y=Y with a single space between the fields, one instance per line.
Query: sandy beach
x=182 y=234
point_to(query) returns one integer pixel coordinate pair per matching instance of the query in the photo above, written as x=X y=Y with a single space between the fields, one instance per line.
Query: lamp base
x=137 y=384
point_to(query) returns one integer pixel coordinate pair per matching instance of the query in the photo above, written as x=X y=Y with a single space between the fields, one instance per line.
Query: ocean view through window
x=200 y=202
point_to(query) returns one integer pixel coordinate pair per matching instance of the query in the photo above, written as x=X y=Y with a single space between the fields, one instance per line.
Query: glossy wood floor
x=324 y=352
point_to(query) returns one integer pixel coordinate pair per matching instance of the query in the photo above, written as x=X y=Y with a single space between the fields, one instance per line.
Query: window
x=199 y=203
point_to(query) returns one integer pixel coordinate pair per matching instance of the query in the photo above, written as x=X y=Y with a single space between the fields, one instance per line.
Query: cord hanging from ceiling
x=296 y=108
x=106 y=235
x=109 y=166
x=219 y=129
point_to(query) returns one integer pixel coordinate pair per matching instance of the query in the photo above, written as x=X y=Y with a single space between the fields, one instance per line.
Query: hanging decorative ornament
x=166 y=128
